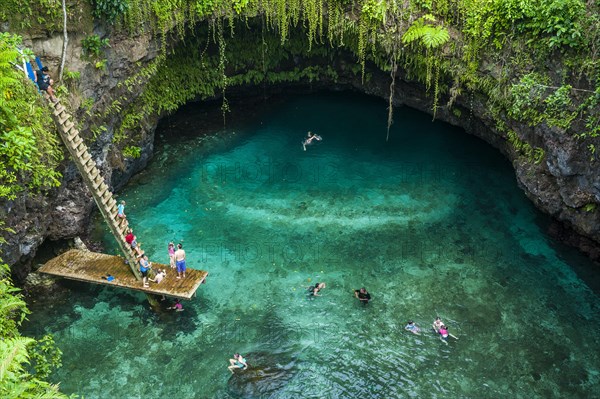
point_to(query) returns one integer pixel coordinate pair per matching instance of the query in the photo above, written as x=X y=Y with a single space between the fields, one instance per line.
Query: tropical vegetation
x=25 y=363
x=532 y=62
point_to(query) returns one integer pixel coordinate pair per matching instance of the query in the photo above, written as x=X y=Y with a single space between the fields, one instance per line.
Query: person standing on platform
x=144 y=268
x=180 y=261
x=159 y=277
x=171 y=249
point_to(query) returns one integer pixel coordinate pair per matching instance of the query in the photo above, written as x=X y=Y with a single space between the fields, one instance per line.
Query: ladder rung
x=124 y=228
x=90 y=166
x=89 y=169
x=102 y=191
x=82 y=152
x=80 y=147
x=111 y=210
x=59 y=108
x=86 y=158
x=101 y=187
x=76 y=141
x=63 y=119
x=68 y=125
x=101 y=184
x=72 y=132
x=58 y=113
x=106 y=196
x=114 y=224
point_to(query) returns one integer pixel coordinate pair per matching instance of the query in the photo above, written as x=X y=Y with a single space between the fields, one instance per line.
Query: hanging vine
x=222 y=61
x=394 y=68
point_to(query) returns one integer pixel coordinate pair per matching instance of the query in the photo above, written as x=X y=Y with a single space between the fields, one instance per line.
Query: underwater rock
x=40 y=284
x=267 y=373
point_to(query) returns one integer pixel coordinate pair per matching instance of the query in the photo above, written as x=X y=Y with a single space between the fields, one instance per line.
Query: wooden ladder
x=94 y=182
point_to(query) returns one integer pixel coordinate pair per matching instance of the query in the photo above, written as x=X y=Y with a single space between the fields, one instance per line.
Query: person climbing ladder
x=45 y=83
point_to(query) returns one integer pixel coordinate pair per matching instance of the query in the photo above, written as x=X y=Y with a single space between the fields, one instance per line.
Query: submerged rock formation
x=266 y=375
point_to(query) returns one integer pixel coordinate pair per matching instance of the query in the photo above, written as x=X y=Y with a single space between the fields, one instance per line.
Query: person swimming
x=413 y=328
x=362 y=295
x=444 y=334
x=309 y=139
x=314 y=290
x=238 y=362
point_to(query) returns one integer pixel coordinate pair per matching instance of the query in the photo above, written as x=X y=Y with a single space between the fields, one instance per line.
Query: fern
x=13 y=353
x=435 y=36
x=431 y=36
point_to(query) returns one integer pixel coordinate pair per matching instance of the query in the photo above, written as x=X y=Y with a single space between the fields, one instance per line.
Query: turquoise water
x=431 y=223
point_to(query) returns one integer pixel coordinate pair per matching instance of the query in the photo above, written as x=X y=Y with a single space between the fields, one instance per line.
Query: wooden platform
x=91 y=266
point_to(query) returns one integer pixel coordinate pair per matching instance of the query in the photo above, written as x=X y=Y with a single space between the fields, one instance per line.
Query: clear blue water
x=432 y=223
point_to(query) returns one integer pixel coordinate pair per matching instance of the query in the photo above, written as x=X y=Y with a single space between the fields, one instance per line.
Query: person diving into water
x=309 y=139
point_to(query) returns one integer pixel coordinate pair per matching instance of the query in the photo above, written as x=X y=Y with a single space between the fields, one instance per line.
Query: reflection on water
x=432 y=223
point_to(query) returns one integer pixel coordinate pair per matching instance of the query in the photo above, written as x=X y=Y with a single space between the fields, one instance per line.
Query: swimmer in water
x=413 y=328
x=309 y=139
x=314 y=290
x=444 y=334
x=238 y=362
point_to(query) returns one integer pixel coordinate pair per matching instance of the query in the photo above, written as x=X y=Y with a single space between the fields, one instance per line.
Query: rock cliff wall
x=561 y=186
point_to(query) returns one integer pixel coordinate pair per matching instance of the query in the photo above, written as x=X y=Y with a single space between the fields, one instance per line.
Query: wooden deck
x=91 y=266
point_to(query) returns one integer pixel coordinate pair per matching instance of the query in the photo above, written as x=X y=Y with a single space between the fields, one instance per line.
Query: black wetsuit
x=363 y=295
x=43 y=80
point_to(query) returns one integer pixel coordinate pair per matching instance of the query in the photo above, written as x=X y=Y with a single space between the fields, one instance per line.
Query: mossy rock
x=266 y=374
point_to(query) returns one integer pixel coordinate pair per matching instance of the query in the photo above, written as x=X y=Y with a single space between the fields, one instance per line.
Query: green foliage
x=549 y=23
x=532 y=101
x=200 y=70
x=591 y=207
x=558 y=21
x=590 y=111
x=16 y=351
x=87 y=105
x=374 y=11
x=72 y=75
x=423 y=31
x=532 y=154
x=132 y=152
x=92 y=46
x=110 y=10
x=205 y=8
x=101 y=64
x=31 y=14
x=98 y=130
x=29 y=152
x=45 y=356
